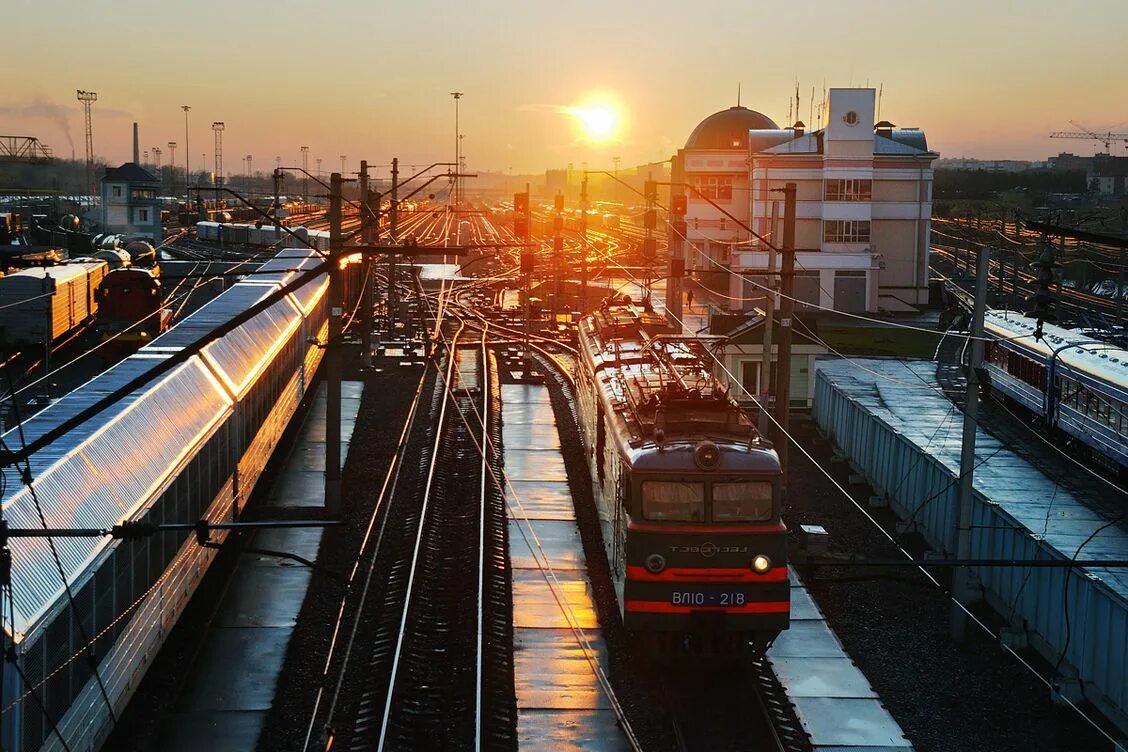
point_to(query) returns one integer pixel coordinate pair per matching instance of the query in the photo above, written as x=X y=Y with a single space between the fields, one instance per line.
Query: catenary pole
x=786 y=313
x=961 y=584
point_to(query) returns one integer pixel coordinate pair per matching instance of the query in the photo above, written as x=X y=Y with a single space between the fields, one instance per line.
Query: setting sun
x=598 y=121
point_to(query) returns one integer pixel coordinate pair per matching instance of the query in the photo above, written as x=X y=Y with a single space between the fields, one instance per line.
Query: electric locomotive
x=688 y=492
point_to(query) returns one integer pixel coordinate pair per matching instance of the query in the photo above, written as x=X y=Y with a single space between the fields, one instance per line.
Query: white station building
x=864 y=205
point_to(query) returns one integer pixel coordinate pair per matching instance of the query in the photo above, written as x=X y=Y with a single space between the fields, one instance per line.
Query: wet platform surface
x=231 y=687
x=560 y=704
x=832 y=698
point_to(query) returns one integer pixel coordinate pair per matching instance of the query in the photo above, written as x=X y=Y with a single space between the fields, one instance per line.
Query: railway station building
x=130 y=203
x=863 y=212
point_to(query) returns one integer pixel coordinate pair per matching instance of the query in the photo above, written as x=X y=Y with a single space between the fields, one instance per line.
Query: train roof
x=105 y=470
x=657 y=382
x=1102 y=360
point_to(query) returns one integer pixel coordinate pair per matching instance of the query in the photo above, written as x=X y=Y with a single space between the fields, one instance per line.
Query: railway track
x=741 y=707
x=438 y=660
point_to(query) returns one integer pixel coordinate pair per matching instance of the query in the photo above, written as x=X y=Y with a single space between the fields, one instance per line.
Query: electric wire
x=982 y=625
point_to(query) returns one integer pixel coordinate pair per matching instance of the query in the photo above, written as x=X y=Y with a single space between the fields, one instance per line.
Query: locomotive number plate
x=708 y=598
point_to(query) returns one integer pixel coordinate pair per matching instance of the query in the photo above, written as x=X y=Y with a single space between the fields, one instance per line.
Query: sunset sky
x=984 y=79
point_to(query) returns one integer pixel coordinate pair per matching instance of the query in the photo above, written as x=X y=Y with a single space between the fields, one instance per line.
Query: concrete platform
x=560 y=703
x=230 y=689
x=835 y=703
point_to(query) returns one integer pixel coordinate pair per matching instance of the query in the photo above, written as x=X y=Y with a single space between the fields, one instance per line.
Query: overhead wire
x=865 y=513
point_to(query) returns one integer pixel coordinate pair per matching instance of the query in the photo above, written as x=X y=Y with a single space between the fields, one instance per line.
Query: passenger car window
x=673 y=500
x=742 y=502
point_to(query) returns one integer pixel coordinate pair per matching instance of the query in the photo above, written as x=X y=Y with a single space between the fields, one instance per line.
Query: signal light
x=679 y=205
x=650 y=190
x=677 y=268
x=528 y=262
x=521 y=226
x=649 y=248
x=521 y=203
x=559 y=202
x=558 y=244
x=558 y=223
x=650 y=219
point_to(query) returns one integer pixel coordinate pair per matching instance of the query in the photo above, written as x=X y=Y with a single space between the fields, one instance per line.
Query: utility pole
x=786 y=312
x=250 y=175
x=88 y=98
x=277 y=204
x=187 y=169
x=343 y=158
x=583 y=245
x=961 y=576
x=455 y=198
x=157 y=158
x=305 y=175
x=649 y=244
x=172 y=167
x=675 y=285
x=368 y=222
x=615 y=191
x=557 y=250
x=521 y=217
x=769 y=321
x=217 y=179
x=333 y=355
x=393 y=238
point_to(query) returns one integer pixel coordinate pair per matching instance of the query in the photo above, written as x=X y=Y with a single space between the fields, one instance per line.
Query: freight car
x=258 y=234
x=42 y=304
x=189 y=445
x=688 y=493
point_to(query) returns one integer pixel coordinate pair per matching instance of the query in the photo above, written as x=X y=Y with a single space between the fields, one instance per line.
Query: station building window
x=716 y=187
x=846 y=231
x=851 y=189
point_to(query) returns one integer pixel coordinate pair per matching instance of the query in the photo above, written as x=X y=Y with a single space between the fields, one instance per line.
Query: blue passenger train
x=1075 y=384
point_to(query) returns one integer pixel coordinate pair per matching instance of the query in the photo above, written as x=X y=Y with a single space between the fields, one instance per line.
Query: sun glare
x=598 y=121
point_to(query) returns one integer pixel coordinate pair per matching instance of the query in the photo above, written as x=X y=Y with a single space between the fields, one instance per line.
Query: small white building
x=742 y=353
x=130 y=203
x=864 y=208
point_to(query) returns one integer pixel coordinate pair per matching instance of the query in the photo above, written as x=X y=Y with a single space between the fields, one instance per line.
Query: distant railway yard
x=558 y=520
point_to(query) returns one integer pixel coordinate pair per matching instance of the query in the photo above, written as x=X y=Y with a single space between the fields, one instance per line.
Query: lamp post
x=187 y=168
x=305 y=180
x=457 y=149
x=171 y=163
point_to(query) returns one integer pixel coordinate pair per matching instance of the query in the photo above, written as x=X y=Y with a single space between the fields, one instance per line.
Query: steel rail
x=418 y=545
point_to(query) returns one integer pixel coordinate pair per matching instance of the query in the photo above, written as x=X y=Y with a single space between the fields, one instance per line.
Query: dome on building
x=728 y=129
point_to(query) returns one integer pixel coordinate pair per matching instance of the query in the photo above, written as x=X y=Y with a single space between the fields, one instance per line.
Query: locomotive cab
x=688 y=492
x=705 y=559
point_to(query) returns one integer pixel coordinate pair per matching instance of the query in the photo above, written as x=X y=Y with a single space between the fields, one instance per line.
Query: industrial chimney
x=136 y=154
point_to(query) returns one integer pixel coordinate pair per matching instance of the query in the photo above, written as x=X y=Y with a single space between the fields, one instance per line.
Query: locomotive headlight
x=761 y=564
x=655 y=563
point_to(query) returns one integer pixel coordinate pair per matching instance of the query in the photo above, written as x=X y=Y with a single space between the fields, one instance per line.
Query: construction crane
x=1105 y=138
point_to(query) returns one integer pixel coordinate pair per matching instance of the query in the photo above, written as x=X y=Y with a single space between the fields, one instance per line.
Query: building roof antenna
x=737 y=93
x=880 y=91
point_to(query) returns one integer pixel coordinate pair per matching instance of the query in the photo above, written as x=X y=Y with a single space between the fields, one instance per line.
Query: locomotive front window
x=742 y=502
x=673 y=500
